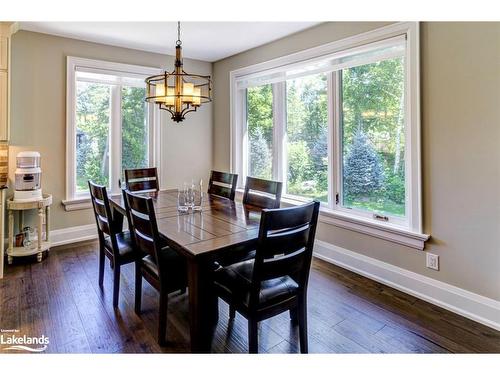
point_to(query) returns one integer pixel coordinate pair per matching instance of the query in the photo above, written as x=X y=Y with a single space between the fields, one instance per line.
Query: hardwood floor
x=347 y=313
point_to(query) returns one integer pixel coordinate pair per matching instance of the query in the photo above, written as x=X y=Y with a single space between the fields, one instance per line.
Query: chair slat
x=143 y=185
x=141 y=179
x=218 y=178
x=271 y=197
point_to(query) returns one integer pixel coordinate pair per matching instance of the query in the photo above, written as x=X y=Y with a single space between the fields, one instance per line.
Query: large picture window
x=110 y=125
x=339 y=123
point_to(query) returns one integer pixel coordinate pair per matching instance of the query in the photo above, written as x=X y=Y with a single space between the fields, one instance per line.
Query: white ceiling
x=208 y=41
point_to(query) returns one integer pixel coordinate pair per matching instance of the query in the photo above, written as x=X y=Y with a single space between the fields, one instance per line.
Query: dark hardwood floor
x=347 y=313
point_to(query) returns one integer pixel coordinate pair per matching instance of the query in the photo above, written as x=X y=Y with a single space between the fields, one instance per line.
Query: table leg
x=117 y=219
x=203 y=308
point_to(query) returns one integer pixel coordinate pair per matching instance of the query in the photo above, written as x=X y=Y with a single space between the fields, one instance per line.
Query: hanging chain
x=178 y=33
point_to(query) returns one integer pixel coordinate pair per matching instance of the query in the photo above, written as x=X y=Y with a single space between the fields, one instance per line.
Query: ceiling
x=207 y=41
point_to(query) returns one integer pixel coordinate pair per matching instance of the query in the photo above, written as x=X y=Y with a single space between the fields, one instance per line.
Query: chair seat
x=235 y=280
x=173 y=263
x=125 y=246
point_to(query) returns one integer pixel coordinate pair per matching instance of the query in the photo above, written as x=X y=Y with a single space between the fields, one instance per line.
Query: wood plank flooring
x=347 y=313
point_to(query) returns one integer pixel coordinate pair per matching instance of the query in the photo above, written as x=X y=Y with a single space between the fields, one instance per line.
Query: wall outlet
x=432 y=261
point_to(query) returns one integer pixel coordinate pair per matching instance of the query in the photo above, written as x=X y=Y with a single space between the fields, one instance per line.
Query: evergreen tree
x=260 y=155
x=363 y=173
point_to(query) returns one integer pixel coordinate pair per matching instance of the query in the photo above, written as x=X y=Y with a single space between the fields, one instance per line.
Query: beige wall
x=460 y=83
x=39 y=114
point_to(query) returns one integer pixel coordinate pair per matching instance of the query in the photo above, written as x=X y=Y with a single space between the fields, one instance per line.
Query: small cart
x=43 y=237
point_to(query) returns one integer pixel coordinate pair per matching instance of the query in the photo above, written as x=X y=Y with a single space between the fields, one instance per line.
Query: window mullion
x=115 y=138
x=279 y=132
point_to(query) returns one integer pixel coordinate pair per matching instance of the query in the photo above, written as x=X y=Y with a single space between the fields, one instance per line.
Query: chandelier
x=179 y=92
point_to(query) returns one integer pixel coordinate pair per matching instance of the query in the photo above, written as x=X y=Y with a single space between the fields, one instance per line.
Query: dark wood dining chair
x=114 y=243
x=262 y=193
x=276 y=280
x=222 y=184
x=142 y=179
x=161 y=266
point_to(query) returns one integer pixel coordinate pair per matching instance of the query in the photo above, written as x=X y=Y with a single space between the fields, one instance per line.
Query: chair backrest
x=285 y=245
x=222 y=184
x=141 y=179
x=102 y=211
x=262 y=193
x=142 y=221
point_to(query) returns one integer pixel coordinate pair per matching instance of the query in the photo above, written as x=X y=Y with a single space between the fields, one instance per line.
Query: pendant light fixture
x=179 y=92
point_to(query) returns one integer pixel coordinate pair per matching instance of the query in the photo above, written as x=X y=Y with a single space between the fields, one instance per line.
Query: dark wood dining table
x=202 y=237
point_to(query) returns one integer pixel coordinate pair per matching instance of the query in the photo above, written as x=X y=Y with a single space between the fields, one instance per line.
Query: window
x=260 y=131
x=307 y=137
x=372 y=137
x=110 y=126
x=338 y=123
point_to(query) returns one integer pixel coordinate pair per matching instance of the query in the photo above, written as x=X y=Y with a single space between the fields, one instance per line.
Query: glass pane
x=260 y=131
x=307 y=136
x=92 y=134
x=373 y=137
x=135 y=129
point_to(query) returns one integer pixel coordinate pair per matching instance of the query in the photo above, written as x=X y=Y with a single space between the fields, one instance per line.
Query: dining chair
x=262 y=193
x=276 y=280
x=161 y=266
x=222 y=184
x=114 y=243
x=141 y=179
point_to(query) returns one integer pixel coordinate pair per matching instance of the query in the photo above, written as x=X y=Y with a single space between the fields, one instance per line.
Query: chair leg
x=116 y=284
x=232 y=312
x=162 y=319
x=293 y=316
x=102 y=259
x=138 y=288
x=253 y=344
x=302 y=317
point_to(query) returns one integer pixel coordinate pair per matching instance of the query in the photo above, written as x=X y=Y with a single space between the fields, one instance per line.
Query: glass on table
x=182 y=204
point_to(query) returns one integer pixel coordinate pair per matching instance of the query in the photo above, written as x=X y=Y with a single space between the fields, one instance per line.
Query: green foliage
x=373 y=102
x=93 y=122
x=307 y=130
x=134 y=128
x=260 y=130
x=363 y=174
x=260 y=156
x=372 y=121
x=299 y=162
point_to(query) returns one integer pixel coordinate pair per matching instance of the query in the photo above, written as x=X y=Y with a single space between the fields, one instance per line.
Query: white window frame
x=407 y=232
x=79 y=200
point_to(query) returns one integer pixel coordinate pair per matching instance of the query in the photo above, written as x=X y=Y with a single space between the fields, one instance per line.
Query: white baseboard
x=470 y=305
x=69 y=235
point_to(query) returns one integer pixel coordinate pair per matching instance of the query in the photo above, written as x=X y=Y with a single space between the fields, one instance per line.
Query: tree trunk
x=399 y=127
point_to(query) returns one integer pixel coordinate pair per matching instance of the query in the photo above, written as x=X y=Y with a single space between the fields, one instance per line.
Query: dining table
x=220 y=228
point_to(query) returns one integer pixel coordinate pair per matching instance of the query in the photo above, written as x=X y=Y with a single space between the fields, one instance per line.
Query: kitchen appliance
x=28 y=177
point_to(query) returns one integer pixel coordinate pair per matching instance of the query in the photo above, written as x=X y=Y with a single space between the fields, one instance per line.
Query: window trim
x=76 y=200
x=412 y=130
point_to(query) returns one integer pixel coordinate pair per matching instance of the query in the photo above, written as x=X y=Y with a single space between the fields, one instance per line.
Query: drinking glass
x=182 y=205
x=197 y=200
x=190 y=196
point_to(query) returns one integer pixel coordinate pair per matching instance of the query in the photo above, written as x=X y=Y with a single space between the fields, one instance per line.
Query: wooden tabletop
x=220 y=225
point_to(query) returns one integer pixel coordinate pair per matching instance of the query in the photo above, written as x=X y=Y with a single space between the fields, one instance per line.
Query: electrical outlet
x=432 y=261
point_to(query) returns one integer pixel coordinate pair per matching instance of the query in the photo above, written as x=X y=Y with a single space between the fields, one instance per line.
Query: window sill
x=82 y=203
x=371 y=228
x=77 y=204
